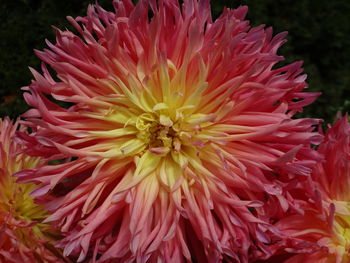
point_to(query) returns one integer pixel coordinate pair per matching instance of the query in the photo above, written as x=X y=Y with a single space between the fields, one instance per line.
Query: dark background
x=319 y=34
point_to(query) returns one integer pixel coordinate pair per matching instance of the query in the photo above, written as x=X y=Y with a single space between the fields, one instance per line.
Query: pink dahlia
x=327 y=223
x=23 y=236
x=172 y=131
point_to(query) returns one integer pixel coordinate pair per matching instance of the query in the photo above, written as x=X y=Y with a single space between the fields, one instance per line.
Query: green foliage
x=319 y=34
x=24 y=26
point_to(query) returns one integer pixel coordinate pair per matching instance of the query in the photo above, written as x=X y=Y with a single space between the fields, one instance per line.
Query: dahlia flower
x=23 y=238
x=327 y=223
x=173 y=132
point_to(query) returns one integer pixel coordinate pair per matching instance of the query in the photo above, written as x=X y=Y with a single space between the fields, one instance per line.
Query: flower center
x=342 y=227
x=161 y=133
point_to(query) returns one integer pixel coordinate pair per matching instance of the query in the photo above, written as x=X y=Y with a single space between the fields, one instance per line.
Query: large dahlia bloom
x=327 y=223
x=23 y=236
x=174 y=134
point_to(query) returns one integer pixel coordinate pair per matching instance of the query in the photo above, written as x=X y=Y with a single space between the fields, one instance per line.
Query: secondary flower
x=23 y=238
x=328 y=222
x=171 y=131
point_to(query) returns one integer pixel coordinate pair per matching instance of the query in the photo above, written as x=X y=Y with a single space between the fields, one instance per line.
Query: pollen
x=163 y=134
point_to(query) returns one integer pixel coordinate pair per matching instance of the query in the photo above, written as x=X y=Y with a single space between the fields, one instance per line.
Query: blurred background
x=319 y=34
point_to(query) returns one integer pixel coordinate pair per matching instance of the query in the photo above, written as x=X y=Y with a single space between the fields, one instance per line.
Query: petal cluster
x=169 y=136
x=327 y=221
x=23 y=237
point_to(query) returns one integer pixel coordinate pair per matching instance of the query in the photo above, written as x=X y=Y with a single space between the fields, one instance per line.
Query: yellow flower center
x=18 y=211
x=161 y=133
x=342 y=233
